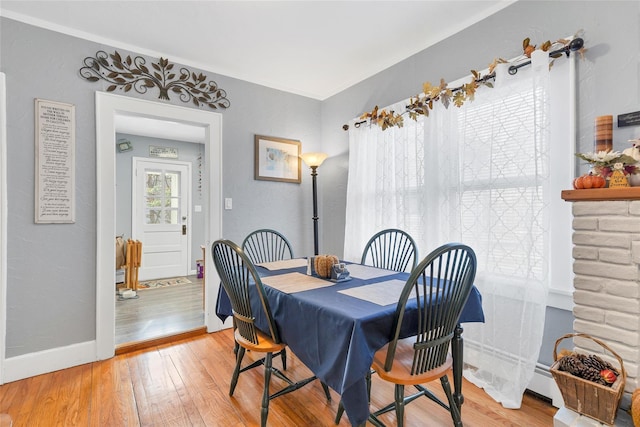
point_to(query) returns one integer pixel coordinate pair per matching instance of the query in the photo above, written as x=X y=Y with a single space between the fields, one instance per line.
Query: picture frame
x=277 y=159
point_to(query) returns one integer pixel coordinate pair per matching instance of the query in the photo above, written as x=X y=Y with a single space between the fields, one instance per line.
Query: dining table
x=335 y=327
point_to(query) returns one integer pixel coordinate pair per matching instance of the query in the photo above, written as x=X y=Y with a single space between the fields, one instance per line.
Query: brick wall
x=606 y=252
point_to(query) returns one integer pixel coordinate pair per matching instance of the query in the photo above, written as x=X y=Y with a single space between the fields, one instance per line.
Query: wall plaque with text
x=55 y=162
x=629 y=119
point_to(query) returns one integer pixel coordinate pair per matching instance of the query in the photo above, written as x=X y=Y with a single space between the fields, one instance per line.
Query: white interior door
x=160 y=216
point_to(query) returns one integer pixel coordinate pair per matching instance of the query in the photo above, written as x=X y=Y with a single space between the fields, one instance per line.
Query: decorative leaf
x=127 y=87
x=525 y=43
x=171 y=76
x=111 y=88
x=92 y=79
x=157 y=76
x=446 y=99
x=144 y=69
x=155 y=66
x=458 y=99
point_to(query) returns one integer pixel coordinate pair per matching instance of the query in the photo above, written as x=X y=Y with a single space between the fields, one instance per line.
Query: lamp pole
x=313 y=160
x=314 y=173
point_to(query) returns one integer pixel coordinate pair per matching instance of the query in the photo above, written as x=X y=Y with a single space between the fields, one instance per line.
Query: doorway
x=161 y=215
x=108 y=106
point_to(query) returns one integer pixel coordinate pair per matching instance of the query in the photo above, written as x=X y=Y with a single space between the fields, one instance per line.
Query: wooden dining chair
x=433 y=298
x=239 y=278
x=391 y=249
x=266 y=245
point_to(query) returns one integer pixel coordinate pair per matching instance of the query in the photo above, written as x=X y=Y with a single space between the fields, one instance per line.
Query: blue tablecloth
x=336 y=335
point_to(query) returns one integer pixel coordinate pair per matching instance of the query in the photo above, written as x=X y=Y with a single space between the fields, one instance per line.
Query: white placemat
x=365 y=272
x=290 y=283
x=381 y=293
x=284 y=264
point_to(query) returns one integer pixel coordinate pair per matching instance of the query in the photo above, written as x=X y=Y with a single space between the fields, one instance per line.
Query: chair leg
x=453 y=407
x=236 y=371
x=283 y=356
x=400 y=404
x=265 y=395
x=339 y=412
x=326 y=391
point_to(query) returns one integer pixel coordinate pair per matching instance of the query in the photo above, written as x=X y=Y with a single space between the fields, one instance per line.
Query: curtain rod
x=574 y=45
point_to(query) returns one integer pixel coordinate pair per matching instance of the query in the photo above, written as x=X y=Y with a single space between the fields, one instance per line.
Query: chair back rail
x=238 y=276
x=266 y=245
x=441 y=285
x=391 y=249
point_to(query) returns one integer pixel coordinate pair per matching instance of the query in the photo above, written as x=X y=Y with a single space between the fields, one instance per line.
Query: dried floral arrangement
x=604 y=163
x=422 y=103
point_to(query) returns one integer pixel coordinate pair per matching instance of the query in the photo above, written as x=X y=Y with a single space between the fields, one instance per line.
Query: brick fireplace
x=606 y=252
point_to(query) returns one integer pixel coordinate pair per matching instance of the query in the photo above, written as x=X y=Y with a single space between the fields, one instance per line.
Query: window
x=476 y=159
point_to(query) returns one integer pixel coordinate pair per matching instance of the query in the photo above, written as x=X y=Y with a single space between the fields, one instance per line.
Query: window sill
x=560 y=299
x=596 y=194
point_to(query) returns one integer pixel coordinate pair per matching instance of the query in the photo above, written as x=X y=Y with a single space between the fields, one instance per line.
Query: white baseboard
x=544 y=384
x=42 y=362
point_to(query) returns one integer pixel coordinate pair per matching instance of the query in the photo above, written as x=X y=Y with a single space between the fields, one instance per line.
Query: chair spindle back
x=433 y=297
x=239 y=277
x=266 y=245
x=391 y=249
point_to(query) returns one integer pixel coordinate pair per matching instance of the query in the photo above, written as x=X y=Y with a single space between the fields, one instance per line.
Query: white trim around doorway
x=108 y=106
x=3 y=224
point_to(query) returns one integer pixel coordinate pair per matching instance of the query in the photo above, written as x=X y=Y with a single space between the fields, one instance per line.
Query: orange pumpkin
x=635 y=407
x=323 y=264
x=589 y=181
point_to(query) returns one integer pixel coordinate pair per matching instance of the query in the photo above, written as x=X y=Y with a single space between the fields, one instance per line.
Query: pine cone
x=592 y=374
x=598 y=363
x=571 y=364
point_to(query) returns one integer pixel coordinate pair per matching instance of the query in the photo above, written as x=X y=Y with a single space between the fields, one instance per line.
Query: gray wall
x=54 y=304
x=187 y=152
x=607 y=84
x=51 y=269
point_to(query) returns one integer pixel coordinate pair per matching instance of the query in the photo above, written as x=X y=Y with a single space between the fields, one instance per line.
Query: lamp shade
x=313 y=159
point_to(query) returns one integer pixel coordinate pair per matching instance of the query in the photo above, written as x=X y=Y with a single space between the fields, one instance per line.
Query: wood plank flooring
x=186 y=383
x=160 y=312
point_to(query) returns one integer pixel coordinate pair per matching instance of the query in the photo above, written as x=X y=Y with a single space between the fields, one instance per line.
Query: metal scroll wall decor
x=132 y=73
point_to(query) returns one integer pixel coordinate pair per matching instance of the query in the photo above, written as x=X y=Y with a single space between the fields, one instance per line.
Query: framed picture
x=277 y=159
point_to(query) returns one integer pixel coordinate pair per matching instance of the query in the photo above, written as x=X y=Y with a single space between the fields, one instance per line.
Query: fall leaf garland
x=422 y=103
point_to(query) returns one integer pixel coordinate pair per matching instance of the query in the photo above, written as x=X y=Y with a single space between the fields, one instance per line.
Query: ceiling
x=311 y=48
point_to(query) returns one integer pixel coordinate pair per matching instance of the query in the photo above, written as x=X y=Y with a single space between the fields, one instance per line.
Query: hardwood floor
x=187 y=384
x=160 y=312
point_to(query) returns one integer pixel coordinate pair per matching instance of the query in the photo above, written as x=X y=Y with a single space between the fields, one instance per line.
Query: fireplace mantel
x=596 y=194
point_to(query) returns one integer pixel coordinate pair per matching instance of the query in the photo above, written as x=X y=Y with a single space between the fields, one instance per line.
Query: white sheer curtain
x=477 y=174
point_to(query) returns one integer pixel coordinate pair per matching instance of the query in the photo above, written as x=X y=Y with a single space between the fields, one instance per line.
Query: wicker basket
x=587 y=397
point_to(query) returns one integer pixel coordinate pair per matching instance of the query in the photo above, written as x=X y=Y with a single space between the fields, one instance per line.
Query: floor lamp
x=313 y=160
